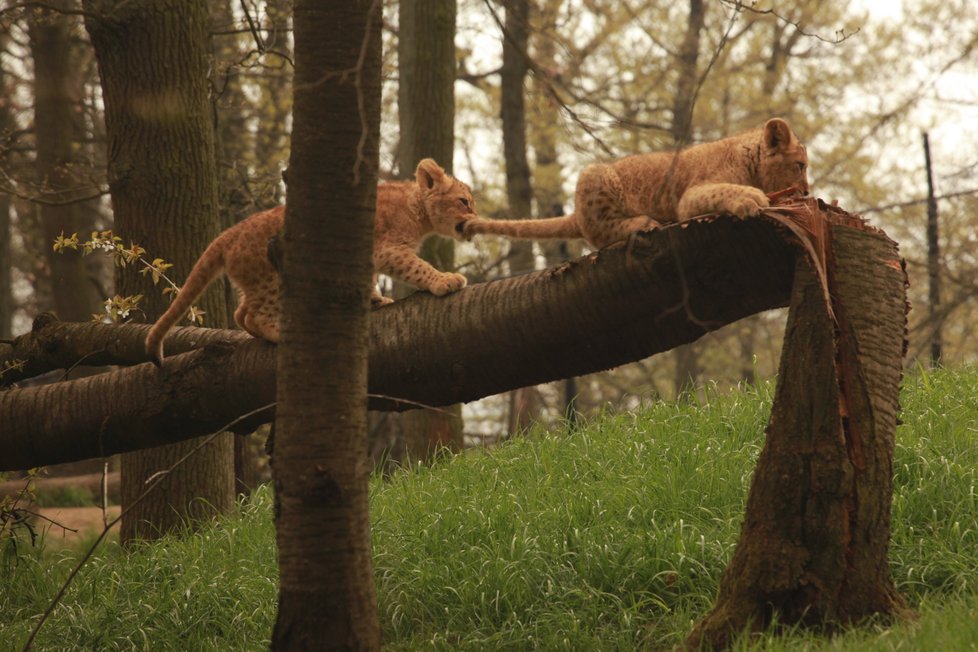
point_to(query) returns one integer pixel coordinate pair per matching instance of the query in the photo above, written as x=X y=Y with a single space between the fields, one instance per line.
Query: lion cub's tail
x=566 y=226
x=206 y=269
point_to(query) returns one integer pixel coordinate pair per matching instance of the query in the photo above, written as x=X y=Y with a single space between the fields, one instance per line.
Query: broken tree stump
x=815 y=536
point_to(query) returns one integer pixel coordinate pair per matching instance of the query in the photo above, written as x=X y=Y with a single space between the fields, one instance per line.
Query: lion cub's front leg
x=742 y=201
x=403 y=263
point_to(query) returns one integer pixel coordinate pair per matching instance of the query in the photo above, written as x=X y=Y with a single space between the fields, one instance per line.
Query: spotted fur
x=407 y=212
x=636 y=193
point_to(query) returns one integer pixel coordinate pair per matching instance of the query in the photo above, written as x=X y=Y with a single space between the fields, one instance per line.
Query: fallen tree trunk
x=618 y=305
x=814 y=541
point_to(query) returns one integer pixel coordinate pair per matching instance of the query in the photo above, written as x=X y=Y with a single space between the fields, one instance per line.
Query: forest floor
x=65 y=526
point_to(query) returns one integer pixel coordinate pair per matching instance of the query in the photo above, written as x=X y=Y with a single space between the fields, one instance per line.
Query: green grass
x=611 y=537
x=214 y=590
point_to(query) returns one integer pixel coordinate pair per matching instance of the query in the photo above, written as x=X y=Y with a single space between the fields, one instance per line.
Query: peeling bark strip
x=814 y=541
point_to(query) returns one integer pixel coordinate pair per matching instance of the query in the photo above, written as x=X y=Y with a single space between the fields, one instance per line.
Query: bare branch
x=840 y=34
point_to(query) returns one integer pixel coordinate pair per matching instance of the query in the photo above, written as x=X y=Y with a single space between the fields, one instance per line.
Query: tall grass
x=213 y=590
x=608 y=537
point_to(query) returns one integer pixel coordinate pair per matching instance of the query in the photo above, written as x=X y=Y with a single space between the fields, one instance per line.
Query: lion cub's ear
x=777 y=134
x=429 y=174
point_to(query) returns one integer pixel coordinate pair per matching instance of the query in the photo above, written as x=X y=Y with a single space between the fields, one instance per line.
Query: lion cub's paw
x=748 y=202
x=447 y=283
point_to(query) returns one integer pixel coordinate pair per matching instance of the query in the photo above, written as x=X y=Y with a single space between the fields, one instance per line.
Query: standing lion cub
x=407 y=211
x=614 y=200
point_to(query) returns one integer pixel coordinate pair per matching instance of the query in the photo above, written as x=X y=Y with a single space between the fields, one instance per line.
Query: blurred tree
x=152 y=59
x=271 y=77
x=58 y=86
x=8 y=127
x=426 y=115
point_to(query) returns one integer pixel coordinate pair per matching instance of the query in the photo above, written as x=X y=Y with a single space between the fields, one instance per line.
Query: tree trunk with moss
x=153 y=63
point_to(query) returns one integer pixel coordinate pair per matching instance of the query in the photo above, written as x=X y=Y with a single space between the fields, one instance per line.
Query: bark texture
x=153 y=64
x=813 y=545
x=327 y=598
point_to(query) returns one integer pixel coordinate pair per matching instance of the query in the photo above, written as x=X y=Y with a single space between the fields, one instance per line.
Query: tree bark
x=327 y=597
x=670 y=287
x=153 y=62
x=813 y=544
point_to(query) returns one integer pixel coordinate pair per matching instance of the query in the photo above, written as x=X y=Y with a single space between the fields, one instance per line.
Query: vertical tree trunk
x=934 y=317
x=426 y=110
x=814 y=541
x=326 y=588
x=233 y=141
x=6 y=297
x=7 y=126
x=57 y=98
x=234 y=145
x=523 y=402
x=274 y=105
x=548 y=174
x=687 y=357
x=512 y=75
x=152 y=59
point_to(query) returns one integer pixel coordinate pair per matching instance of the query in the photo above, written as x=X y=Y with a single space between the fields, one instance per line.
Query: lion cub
x=613 y=200
x=407 y=211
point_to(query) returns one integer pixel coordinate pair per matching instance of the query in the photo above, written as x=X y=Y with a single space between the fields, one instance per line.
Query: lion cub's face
x=784 y=159
x=448 y=201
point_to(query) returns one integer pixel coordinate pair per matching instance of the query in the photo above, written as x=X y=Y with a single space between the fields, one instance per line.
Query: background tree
x=523 y=402
x=58 y=132
x=426 y=115
x=683 y=104
x=7 y=136
x=153 y=61
x=326 y=585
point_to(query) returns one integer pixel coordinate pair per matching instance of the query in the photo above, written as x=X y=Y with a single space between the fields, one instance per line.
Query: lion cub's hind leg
x=258 y=307
x=259 y=318
x=600 y=205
